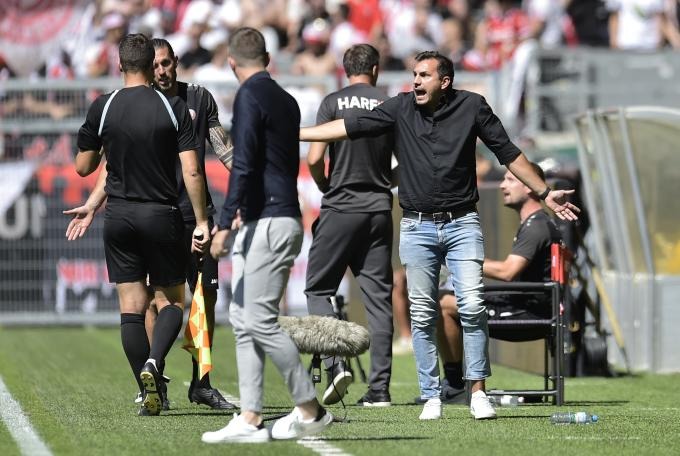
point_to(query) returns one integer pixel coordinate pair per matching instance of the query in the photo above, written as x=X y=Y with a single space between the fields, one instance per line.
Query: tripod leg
x=362 y=372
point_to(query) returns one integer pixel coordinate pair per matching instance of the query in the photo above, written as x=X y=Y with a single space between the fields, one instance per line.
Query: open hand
x=557 y=201
x=82 y=218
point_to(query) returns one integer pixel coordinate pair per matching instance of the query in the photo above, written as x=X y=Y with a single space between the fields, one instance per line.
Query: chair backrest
x=560 y=262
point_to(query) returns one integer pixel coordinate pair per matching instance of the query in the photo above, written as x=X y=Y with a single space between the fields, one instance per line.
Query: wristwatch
x=545 y=193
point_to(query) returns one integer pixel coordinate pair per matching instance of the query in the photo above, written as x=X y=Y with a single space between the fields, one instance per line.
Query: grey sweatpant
x=263 y=253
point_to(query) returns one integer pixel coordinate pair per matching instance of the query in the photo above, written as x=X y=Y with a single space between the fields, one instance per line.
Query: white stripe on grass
x=320 y=446
x=17 y=423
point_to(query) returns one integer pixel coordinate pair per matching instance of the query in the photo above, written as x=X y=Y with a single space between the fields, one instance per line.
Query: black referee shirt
x=436 y=152
x=360 y=170
x=142 y=136
x=204 y=116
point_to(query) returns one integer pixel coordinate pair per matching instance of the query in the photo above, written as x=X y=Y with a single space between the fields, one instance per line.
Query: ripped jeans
x=424 y=246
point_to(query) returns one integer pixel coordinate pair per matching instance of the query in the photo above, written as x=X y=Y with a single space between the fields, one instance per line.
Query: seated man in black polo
x=528 y=261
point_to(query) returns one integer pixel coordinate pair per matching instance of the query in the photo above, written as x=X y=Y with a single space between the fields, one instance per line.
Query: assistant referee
x=142 y=133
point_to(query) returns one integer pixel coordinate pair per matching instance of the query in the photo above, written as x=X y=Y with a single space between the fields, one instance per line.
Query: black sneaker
x=339 y=378
x=210 y=397
x=376 y=398
x=151 y=379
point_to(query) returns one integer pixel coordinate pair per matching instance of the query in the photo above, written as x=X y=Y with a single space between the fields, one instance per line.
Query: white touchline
x=18 y=425
x=320 y=446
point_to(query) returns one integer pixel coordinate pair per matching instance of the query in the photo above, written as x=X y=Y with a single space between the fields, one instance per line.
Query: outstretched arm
x=83 y=215
x=327 y=132
x=556 y=200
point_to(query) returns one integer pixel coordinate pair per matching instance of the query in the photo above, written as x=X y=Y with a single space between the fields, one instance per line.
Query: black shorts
x=142 y=238
x=208 y=266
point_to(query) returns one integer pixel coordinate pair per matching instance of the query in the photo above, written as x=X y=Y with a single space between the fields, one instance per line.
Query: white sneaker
x=480 y=406
x=237 y=431
x=292 y=426
x=432 y=410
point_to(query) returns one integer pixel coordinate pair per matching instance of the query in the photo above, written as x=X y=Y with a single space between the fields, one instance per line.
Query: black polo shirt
x=204 y=116
x=360 y=171
x=142 y=134
x=436 y=152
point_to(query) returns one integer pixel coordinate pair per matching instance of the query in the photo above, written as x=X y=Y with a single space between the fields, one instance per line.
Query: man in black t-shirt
x=206 y=125
x=142 y=134
x=528 y=261
x=354 y=228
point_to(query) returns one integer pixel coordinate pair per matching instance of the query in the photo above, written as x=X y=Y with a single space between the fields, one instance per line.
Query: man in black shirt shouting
x=142 y=133
x=354 y=228
x=436 y=128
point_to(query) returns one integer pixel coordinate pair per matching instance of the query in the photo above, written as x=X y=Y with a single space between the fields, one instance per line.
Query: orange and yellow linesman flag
x=196 y=337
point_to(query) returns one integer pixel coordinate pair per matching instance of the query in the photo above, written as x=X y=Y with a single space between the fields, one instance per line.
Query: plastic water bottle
x=573 y=417
x=505 y=400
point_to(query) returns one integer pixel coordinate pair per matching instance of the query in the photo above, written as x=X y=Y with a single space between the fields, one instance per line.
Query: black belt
x=439 y=217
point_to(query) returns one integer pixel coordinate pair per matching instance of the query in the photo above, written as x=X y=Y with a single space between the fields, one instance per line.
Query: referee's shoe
x=153 y=390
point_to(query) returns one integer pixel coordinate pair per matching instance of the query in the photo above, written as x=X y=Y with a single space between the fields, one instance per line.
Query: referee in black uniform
x=206 y=124
x=354 y=228
x=142 y=133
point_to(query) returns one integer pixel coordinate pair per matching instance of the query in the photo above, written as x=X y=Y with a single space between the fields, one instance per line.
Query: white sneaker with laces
x=293 y=426
x=237 y=431
x=480 y=406
x=432 y=410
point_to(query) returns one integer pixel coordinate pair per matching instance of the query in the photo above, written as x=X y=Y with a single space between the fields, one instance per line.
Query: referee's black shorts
x=208 y=265
x=144 y=238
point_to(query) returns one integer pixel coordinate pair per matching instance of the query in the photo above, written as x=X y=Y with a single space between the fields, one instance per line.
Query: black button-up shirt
x=436 y=152
x=265 y=133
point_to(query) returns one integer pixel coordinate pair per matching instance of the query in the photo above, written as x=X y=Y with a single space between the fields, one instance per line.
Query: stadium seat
x=551 y=330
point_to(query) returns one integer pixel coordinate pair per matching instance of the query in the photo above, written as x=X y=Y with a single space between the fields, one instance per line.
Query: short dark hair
x=444 y=64
x=162 y=43
x=360 y=59
x=136 y=53
x=247 y=46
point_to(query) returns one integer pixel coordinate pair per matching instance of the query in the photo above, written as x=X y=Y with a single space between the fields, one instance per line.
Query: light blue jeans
x=423 y=247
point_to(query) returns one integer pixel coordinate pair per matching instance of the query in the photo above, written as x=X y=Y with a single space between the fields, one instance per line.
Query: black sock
x=168 y=325
x=454 y=374
x=135 y=343
x=199 y=383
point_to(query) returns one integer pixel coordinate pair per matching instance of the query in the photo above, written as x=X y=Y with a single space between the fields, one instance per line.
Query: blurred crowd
x=308 y=37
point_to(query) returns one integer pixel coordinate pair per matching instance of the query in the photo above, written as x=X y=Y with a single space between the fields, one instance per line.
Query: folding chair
x=551 y=329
